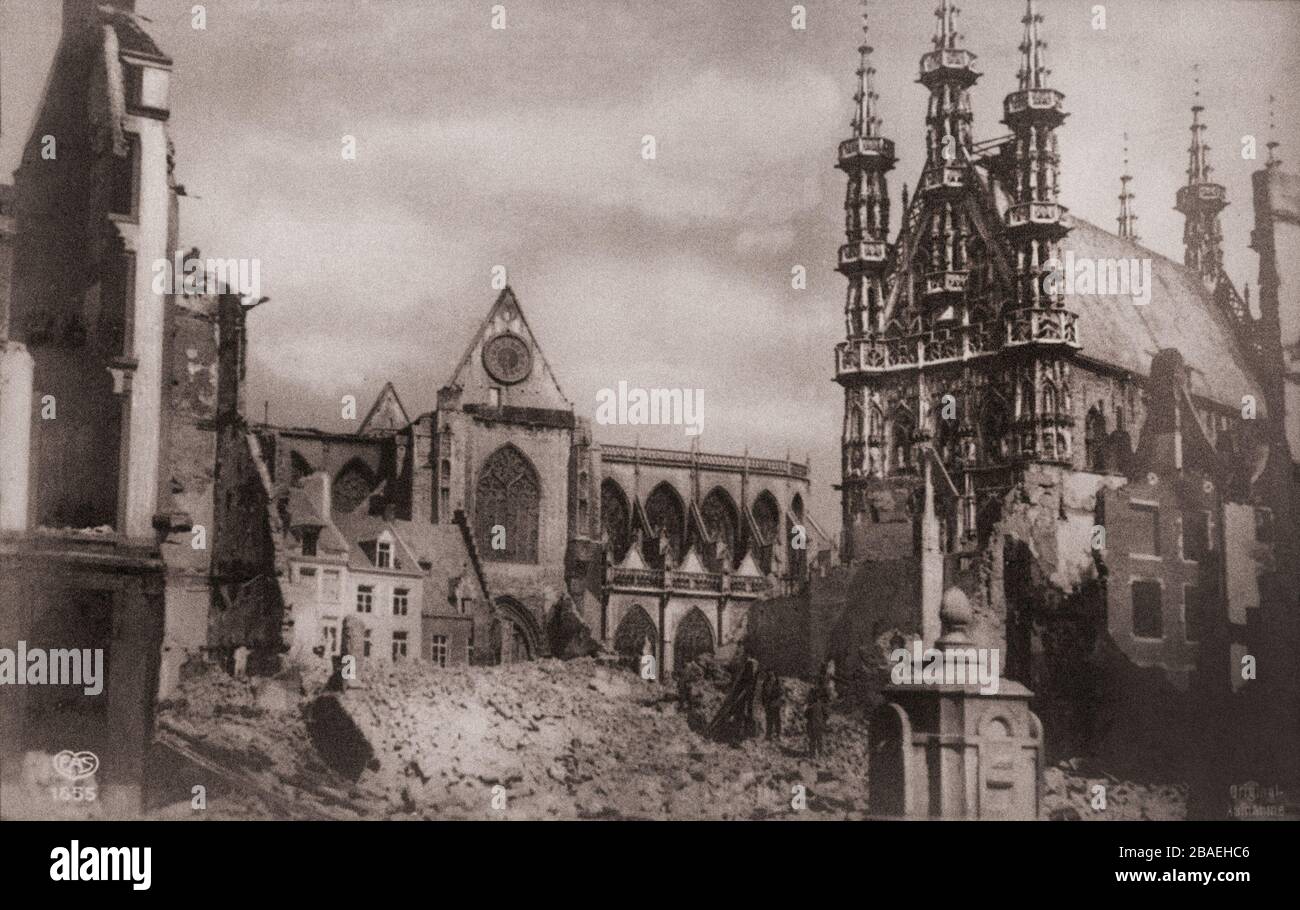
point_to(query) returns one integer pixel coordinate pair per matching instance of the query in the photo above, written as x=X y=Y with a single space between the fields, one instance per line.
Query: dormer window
x=384 y=555
x=310 y=537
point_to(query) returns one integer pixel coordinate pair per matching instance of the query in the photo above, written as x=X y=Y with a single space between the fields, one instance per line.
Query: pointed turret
x=948 y=72
x=1126 y=220
x=1036 y=221
x=866 y=158
x=1201 y=201
x=1036 y=225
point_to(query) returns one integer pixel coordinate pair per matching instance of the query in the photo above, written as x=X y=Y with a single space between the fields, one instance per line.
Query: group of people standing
x=735 y=721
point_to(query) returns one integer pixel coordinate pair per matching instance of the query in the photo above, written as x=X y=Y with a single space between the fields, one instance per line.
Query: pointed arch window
x=507 y=506
x=353 y=486
x=1094 y=439
x=722 y=522
x=666 y=515
x=615 y=519
x=767 y=519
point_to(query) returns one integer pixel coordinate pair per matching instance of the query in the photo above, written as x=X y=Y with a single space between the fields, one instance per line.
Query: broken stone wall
x=187 y=479
x=248 y=556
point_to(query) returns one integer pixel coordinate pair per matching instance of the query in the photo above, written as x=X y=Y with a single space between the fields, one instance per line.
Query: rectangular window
x=401 y=597
x=438 y=650
x=384 y=555
x=464 y=606
x=124 y=179
x=309 y=538
x=1148 y=620
x=1146 y=529
x=331 y=586
x=365 y=643
x=1192 y=616
x=365 y=599
x=399 y=645
x=305 y=572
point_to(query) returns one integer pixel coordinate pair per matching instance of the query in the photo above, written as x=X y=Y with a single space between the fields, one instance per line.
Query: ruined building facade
x=997 y=417
x=112 y=401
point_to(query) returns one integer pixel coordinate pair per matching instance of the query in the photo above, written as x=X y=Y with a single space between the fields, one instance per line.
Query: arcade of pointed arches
x=730 y=534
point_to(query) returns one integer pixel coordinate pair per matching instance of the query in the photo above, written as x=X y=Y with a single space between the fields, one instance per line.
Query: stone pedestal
x=950 y=750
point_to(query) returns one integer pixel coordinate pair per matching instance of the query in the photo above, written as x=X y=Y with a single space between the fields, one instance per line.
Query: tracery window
x=352 y=487
x=508 y=501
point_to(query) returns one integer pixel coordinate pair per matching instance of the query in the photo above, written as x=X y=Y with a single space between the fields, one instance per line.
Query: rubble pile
x=1069 y=793
x=544 y=740
x=548 y=739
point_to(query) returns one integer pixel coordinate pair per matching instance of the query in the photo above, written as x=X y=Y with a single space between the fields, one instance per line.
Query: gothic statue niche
x=722 y=523
x=667 y=518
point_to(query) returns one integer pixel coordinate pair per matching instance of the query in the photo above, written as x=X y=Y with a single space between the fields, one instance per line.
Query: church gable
x=504 y=364
x=386 y=414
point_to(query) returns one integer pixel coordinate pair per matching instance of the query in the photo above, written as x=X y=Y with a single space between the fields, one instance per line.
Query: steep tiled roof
x=358 y=528
x=1182 y=314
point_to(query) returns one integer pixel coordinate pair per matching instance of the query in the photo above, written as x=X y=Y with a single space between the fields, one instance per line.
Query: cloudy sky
x=521 y=147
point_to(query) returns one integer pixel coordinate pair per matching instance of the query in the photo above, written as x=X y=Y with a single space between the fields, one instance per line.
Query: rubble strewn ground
x=1065 y=789
x=544 y=740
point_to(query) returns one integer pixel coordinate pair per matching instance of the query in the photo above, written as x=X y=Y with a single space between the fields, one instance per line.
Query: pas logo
x=76 y=765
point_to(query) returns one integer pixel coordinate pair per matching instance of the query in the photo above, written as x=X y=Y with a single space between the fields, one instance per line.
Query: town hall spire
x=866 y=157
x=1201 y=200
x=1127 y=218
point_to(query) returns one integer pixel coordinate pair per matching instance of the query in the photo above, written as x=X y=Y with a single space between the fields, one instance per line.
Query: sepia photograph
x=855 y=411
